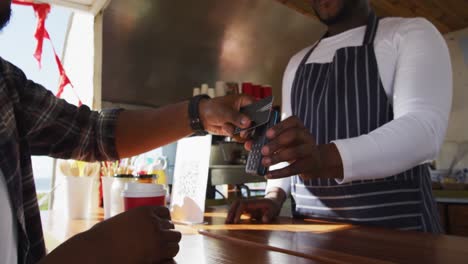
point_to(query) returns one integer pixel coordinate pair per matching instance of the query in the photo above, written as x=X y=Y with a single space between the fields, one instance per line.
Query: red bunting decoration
x=42 y=10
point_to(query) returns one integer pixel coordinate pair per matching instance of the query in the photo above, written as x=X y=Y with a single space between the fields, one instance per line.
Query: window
x=17 y=45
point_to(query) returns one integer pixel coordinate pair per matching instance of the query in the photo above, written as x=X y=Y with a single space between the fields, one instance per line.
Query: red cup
x=266 y=91
x=257 y=92
x=247 y=88
x=143 y=194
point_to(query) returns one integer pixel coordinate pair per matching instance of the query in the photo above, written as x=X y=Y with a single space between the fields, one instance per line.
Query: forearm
x=139 y=131
x=78 y=249
x=402 y=144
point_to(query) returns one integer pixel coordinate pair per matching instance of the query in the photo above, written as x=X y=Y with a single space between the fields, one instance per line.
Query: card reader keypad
x=254 y=161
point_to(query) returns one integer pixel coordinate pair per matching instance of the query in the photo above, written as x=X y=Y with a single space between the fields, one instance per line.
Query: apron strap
x=369 y=37
x=371 y=29
x=304 y=60
x=306 y=57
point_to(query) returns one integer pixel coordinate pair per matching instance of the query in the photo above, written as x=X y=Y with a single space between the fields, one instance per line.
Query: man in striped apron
x=340 y=120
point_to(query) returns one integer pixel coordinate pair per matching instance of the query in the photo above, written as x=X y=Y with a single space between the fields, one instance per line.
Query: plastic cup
x=143 y=194
x=247 y=88
x=220 y=89
x=78 y=192
x=257 y=92
x=106 y=195
x=204 y=89
x=267 y=91
x=211 y=92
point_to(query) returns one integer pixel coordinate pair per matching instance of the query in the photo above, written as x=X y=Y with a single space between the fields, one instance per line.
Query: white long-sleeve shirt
x=415 y=69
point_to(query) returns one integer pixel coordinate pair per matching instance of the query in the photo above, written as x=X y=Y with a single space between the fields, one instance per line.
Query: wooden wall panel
x=446 y=15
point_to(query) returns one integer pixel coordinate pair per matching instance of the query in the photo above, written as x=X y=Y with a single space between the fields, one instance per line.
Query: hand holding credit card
x=258 y=112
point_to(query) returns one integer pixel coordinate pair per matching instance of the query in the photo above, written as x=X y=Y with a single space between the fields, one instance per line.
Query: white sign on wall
x=190 y=179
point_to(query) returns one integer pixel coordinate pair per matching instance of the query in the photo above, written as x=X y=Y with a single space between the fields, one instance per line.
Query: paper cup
x=143 y=194
x=106 y=195
x=78 y=192
x=204 y=89
x=196 y=91
x=211 y=92
x=220 y=89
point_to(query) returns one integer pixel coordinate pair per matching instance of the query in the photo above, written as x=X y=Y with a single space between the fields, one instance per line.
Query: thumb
x=244 y=100
x=236 y=118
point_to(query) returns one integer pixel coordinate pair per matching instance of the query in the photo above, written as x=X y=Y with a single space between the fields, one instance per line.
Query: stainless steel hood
x=156 y=51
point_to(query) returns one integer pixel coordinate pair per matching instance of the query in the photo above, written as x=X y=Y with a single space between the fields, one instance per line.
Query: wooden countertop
x=290 y=241
x=205 y=250
x=194 y=248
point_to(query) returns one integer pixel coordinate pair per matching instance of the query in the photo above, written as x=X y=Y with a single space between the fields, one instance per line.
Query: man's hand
x=220 y=115
x=141 y=235
x=264 y=210
x=290 y=142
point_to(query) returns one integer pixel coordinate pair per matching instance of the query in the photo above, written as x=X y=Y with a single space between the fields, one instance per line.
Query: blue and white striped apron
x=345 y=99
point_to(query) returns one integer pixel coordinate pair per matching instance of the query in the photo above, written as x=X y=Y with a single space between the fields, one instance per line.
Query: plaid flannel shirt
x=34 y=122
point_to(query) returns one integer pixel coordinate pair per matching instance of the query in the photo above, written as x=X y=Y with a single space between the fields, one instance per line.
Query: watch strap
x=194 y=115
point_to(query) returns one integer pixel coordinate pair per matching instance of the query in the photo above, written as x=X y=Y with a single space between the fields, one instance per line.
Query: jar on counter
x=118 y=185
x=147 y=178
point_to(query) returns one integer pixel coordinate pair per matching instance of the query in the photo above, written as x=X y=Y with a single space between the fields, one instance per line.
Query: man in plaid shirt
x=34 y=122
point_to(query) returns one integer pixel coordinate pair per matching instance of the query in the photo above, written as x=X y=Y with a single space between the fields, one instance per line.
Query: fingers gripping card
x=258 y=112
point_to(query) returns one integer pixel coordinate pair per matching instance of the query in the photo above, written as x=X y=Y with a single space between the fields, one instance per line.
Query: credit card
x=258 y=112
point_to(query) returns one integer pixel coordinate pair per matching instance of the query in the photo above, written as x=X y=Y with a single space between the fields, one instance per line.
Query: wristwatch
x=194 y=115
